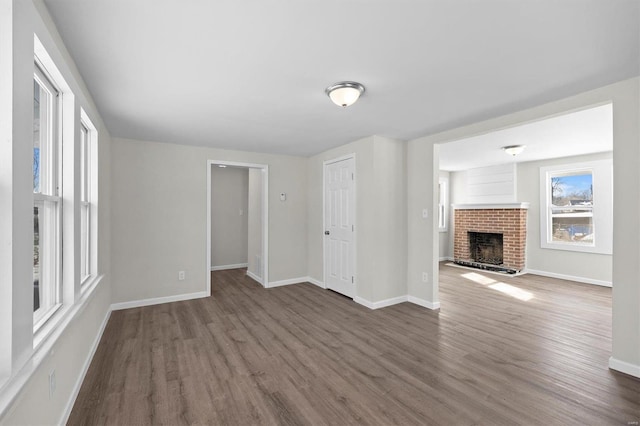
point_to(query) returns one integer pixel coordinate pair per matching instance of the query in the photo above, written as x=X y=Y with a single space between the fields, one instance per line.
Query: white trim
x=158 y=300
x=265 y=218
x=255 y=277
x=316 y=282
x=225 y=267
x=355 y=217
x=288 y=282
x=601 y=211
x=624 y=367
x=490 y=206
x=569 y=277
x=423 y=303
x=76 y=388
x=446 y=258
x=380 y=304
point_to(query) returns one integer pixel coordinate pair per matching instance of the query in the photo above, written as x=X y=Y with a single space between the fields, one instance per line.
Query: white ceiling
x=583 y=132
x=250 y=75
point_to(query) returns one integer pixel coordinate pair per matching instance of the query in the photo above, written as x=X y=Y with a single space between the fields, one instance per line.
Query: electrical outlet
x=425 y=277
x=52 y=383
x=181 y=275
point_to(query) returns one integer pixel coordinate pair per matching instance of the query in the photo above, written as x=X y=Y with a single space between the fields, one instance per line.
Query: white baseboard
x=381 y=303
x=225 y=267
x=446 y=258
x=569 y=277
x=76 y=388
x=624 y=367
x=255 y=277
x=288 y=282
x=423 y=303
x=157 y=300
x=316 y=282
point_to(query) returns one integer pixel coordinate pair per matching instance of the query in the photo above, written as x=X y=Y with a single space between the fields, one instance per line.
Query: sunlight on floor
x=505 y=288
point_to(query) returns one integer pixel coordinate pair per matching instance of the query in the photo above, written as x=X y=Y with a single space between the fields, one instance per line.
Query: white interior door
x=339 y=220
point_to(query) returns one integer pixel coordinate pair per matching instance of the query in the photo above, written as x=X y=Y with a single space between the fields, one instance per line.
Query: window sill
x=576 y=248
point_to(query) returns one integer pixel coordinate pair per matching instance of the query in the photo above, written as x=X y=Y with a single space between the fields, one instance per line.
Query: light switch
x=283 y=196
x=425 y=213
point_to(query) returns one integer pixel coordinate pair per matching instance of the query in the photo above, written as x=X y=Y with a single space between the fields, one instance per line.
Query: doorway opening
x=558 y=150
x=237 y=219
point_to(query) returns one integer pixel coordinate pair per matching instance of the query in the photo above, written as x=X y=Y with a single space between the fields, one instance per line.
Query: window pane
x=572 y=208
x=36 y=136
x=37 y=290
x=84 y=241
x=45 y=257
x=572 y=190
x=572 y=228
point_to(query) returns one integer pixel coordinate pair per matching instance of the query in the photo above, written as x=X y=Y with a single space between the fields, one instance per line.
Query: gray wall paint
x=159 y=223
x=229 y=215
x=254 y=247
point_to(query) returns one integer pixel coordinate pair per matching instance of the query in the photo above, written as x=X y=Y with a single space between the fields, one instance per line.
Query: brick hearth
x=510 y=222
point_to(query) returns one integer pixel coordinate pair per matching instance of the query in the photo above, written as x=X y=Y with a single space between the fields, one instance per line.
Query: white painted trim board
x=569 y=277
x=225 y=267
x=158 y=300
x=624 y=367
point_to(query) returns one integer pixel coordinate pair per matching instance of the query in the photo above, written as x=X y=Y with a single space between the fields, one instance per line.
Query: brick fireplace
x=506 y=220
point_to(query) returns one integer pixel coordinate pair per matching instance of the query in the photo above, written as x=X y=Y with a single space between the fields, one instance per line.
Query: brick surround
x=510 y=222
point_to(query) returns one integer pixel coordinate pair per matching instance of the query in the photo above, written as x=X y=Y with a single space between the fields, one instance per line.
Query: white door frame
x=265 y=216
x=355 y=216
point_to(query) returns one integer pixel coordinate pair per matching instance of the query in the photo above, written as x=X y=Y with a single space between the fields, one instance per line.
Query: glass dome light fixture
x=345 y=93
x=513 y=150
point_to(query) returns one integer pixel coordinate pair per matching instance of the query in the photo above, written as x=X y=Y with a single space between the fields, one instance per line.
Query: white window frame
x=443 y=204
x=602 y=210
x=88 y=200
x=50 y=190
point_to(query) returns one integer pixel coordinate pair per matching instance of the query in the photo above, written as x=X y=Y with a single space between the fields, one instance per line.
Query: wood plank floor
x=302 y=355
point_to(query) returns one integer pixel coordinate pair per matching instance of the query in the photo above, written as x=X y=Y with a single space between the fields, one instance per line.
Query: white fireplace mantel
x=490 y=206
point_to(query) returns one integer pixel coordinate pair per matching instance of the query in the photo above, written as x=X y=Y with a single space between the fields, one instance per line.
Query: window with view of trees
x=576 y=205
x=46 y=198
x=572 y=207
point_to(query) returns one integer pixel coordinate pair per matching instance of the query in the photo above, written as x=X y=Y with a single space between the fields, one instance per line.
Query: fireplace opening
x=486 y=247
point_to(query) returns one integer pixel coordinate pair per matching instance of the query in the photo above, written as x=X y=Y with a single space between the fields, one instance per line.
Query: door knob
x=326 y=232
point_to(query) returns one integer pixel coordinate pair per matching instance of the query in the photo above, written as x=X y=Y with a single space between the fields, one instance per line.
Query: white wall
x=380 y=207
x=229 y=215
x=254 y=247
x=159 y=224
x=625 y=96
x=24 y=399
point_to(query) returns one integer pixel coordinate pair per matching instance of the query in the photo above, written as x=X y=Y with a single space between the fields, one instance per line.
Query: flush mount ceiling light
x=513 y=150
x=345 y=93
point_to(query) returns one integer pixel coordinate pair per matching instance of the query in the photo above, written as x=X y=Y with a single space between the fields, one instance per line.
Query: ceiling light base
x=345 y=93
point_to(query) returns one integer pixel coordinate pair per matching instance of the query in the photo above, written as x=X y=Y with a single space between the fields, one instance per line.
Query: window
x=46 y=198
x=85 y=205
x=576 y=207
x=443 y=200
x=88 y=190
